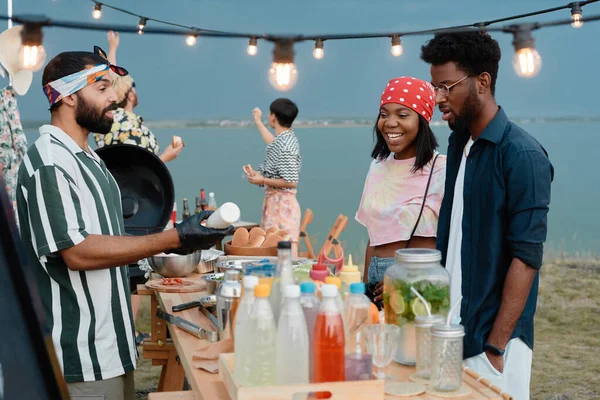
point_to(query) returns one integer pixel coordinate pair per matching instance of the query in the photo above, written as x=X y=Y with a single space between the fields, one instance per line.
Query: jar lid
x=232 y=275
x=418 y=256
x=448 y=331
x=427 y=321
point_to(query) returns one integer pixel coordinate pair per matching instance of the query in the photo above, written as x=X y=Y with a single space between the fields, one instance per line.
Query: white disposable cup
x=224 y=216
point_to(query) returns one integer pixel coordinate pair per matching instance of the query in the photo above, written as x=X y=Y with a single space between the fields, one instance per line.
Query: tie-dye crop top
x=392 y=199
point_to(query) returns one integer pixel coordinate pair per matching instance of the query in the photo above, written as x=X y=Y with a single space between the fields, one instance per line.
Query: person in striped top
x=72 y=227
x=280 y=171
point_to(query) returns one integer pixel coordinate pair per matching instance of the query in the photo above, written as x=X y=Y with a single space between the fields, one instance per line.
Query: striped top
x=282 y=159
x=63 y=195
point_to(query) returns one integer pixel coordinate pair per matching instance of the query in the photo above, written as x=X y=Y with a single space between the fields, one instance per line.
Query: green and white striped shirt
x=64 y=194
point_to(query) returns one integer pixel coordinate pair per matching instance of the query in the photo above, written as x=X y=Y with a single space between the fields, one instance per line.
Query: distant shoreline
x=321 y=123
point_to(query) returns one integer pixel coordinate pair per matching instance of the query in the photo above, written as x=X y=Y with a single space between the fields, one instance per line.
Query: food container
x=421 y=269
x=250 y=251
x=174 y=265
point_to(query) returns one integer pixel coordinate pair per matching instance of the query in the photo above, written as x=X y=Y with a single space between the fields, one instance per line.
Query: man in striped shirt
x=71 y=222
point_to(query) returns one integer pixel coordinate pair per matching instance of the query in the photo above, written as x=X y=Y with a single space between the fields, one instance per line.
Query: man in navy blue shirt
x=493 y=219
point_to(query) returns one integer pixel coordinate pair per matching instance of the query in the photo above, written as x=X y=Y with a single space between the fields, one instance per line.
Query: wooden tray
x=187 y=286
x=357 y=390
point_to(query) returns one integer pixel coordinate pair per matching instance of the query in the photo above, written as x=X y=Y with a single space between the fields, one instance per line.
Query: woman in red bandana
x=405 y=185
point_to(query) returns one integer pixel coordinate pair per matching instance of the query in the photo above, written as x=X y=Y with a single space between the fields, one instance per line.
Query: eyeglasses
x=444 y=90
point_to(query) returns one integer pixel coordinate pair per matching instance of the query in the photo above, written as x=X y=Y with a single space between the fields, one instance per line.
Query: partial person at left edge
x=69 y=206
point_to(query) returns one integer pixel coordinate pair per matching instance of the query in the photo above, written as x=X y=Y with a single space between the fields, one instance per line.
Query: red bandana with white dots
x=413 y=93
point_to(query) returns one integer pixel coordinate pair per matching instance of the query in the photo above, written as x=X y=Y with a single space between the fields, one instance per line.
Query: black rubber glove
x=194 y=236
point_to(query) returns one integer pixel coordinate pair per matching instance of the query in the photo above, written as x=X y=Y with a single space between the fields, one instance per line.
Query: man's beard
x=89 y=118
x=470 y=109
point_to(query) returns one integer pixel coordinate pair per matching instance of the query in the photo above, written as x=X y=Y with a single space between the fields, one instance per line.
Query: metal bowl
x=213 y=281
x=174 y=265
x=209 y=301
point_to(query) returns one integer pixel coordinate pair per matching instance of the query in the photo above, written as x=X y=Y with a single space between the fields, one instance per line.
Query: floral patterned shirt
x=128 y=128
x=13 y=144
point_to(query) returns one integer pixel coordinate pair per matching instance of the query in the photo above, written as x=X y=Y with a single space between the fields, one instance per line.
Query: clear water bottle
x=263 y=332
x=292 y=340
x=310 y=304
x=242 y=341
x=358 y=315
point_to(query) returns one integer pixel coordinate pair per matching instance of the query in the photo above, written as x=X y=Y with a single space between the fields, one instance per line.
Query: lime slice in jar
x=397 y=302
x=418 y=308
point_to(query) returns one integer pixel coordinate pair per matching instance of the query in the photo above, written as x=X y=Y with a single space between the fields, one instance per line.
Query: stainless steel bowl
x=213 y=281
x=174 y=265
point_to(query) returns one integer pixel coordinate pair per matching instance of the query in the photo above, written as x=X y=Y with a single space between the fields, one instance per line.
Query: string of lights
x=283 y=74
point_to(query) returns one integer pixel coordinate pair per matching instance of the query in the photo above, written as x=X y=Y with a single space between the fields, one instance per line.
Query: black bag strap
x=424 y=200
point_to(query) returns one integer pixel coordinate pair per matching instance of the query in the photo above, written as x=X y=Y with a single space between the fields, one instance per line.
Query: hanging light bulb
x=191 y=39
x=576 y=18
x=142 y=25
x=32 y=54
x=396 y=46
x=318 y=52
x=252 y=47
x=282 y=73
x=527 y=61
x=97 y=13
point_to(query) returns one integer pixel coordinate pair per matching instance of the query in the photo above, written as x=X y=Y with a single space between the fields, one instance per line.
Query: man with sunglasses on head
x=493 y=219
x=72 y=227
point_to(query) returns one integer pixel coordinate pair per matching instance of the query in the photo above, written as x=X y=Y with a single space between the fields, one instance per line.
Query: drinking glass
x=382 y=342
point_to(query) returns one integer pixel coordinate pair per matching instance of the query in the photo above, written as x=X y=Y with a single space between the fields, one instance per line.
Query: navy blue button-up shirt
x=506 y=198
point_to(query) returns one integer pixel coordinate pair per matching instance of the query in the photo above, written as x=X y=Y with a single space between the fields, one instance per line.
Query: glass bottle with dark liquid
x=198 y=208
x=186 y=211
x=203 y=203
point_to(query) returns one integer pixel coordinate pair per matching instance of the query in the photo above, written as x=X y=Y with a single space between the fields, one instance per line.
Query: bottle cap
x=284 y=245
x=262 y=290
x=334 y=280
x=307 y=287
x=350 y=267
x=250 y=281
x=357 y=288
x=292 y=291
x=329 y=290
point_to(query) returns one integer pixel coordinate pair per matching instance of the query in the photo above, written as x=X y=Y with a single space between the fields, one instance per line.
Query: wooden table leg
x=172 y=376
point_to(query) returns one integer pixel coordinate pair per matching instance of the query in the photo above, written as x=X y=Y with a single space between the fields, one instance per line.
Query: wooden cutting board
x=186 y=287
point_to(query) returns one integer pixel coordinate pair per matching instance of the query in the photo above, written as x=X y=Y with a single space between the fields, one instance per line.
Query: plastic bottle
x=241 y=342
x=226 y=215
x=349 y=275
x=283 y=276
x=358 y=315
x=334 y=280
x=319 y=272
x=292 y=341
x=263 y=333
x=329 y=339
x=310 y=305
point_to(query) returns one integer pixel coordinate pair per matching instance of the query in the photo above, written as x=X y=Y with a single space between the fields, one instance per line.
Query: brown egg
x=241 y=237
x=271 y=240
x=257 y=241
x=255 y=232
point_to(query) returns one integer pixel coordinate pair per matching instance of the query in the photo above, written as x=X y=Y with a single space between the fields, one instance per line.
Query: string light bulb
x=32 y=54
x=526 y=61
x=97 y=13
x=318 y=52
x=191 y=39
x=576 y=18
x=282 y=73
x=252 y=47
x=142 y=25
x=396 y=46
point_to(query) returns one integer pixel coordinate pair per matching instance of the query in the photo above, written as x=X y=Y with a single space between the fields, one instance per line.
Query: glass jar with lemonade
x=421 y=269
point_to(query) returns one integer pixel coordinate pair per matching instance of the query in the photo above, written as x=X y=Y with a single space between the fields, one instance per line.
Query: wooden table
x=206 y=386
